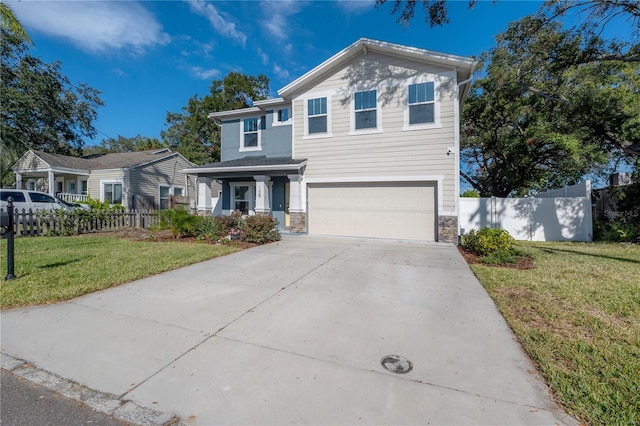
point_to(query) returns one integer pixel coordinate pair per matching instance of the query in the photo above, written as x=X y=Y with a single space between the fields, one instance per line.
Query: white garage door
x=384 y=210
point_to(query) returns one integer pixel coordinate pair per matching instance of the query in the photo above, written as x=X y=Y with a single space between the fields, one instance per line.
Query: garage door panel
x=386 y=210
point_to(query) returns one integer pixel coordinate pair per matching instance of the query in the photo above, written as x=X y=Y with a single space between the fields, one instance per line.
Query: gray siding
x=146 y=180
x=275 y=140
x=97 y=176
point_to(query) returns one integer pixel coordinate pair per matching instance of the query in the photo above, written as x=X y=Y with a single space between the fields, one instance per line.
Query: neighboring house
x=365 y=144
x=144 y=179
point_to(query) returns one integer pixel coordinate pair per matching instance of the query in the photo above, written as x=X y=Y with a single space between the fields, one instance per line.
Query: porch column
x=297 y=204
x=18 y=180
x=295 y=194
x=204 y=194
x=262 y=195
x=52 y=183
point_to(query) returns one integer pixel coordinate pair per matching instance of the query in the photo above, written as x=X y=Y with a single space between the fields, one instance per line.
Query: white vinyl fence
x=548 y=216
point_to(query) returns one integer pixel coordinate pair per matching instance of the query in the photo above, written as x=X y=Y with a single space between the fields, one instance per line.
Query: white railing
x=73 y=198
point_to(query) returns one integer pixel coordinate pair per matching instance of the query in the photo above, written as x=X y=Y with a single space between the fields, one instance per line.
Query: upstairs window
x=317 y=116
x=283 y=115
x=365 y=106
x=251 y=134
x=421 y=103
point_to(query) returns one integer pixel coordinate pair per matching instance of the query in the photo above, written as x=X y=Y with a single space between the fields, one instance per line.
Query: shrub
x=209 y=228
x=102 y=205
x=260 y=229
x=499 y=257
x=225 y=223
x=487 y=241
x=616 y=229
x=179 y=221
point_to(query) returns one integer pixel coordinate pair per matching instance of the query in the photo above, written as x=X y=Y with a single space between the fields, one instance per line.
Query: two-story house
x=364 y=144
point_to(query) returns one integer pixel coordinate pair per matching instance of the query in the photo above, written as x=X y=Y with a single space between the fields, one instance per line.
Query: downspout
x=457 y=168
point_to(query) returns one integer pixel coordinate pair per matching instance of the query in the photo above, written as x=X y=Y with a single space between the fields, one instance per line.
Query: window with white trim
x=283 y=115
x=112 y=192
x=250 y=138
x=365 y=105
x=165 y=193
x=317 y=116
x=421 y=103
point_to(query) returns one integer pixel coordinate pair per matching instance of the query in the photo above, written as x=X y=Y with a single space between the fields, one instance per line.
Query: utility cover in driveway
x=403 y=210
x=396 y=364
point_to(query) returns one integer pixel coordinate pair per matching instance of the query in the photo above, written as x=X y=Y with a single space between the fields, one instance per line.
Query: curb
x=109 y=404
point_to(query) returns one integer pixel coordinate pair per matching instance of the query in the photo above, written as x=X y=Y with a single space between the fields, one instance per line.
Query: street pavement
x=24 y=403
x=309 y=330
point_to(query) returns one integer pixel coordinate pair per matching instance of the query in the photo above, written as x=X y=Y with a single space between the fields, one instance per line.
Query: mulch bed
x=164 y=235
x=521 y=262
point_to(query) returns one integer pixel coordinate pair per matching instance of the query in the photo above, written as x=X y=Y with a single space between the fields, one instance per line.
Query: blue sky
x=150 y=57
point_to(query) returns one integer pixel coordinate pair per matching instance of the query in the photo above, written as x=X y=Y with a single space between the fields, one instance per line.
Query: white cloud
x=203 y=74
x=263 y=56
x=356 y=6
x=94 y=26
x=277 y=14
x=280 y=72
x=119 y=72
x=221 y=24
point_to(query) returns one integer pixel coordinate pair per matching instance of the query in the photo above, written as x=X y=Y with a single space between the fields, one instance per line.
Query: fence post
x=10 y=245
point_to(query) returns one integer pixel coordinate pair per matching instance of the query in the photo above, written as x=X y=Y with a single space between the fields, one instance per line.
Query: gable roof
x=464 y=65
x=118 y=160
x=104 y=161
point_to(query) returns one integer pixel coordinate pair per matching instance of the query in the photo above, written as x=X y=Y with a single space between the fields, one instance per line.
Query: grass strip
x=53 y=269
x=577 y=314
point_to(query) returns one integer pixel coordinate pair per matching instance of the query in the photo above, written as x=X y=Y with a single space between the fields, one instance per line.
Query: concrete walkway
x=294 y=333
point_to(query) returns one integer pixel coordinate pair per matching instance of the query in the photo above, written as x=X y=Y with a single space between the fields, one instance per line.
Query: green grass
x=53 y=269
x=577 y=314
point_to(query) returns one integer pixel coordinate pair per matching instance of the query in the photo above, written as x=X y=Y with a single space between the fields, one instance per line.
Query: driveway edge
x=109 y=404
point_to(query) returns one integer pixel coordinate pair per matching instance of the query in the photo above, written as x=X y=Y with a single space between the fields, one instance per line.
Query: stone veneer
x=298 y=222
x=447 y=229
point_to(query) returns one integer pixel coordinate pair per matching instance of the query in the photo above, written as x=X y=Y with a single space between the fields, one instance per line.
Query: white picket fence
x=548 y=216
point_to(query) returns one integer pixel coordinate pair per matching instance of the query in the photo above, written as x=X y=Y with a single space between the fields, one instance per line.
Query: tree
x=535 y=122
x=10 y=23
x=40 y=107
x=191 y=133
x=598 y=11
x=123 y=144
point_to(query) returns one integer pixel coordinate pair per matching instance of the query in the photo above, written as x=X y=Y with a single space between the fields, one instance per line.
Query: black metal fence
x=60 y=222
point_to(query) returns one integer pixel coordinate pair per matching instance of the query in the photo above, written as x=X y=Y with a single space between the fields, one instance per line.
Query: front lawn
x=53 y=269
x=577 y=314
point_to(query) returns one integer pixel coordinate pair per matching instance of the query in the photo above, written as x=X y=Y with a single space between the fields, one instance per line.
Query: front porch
x=255 y=186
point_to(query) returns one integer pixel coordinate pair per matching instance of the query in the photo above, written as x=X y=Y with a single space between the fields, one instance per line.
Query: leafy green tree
x=598 y=11
x=546 y=111
x=123 y=144
x=191 y=133
x=9 y=22
x=40 y=107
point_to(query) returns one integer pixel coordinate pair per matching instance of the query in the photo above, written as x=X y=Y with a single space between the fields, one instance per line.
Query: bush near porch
x=256 y=229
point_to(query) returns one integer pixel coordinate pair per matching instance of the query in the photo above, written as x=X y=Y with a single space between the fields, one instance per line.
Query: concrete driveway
x=291 y=333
